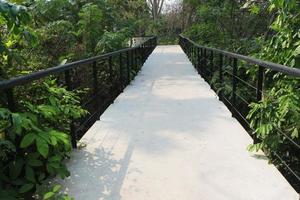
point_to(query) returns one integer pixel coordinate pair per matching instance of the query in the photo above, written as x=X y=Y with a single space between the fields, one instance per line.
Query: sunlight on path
x=168 y=137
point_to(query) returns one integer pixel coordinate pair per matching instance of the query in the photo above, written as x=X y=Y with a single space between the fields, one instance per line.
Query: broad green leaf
x=29 y=174
x=15 y=168
x=55 y=158
x=17 y=123
x=27 y=140
x=295 y=133
x=35 y=163
x=26 y=188
x=42 y=147
x=48 y=195
x=56 y=188
x=297 y=51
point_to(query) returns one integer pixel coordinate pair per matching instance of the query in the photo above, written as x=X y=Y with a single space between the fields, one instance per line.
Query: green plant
x=35 y=140
x=278 y=112
x=279 y=109
x=48 y=192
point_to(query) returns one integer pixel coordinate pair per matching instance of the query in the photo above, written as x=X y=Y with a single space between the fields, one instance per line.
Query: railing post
x=192 y=54
x=95 y=77
x=198 y=60
x=132 y=59
x=72 y=125
x=260 y=80
x=211 y=62
x=221 y=76
x=136 y=59
x=234 y=81
x=204 y=64
x=201 y=61
x=259 y=93
x=145 y=54
x=10 y=100
x=110 y=69
x=121 y=71
x=128 y=67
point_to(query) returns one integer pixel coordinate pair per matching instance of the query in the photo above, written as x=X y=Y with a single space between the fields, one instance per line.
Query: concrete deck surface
x=168 y=137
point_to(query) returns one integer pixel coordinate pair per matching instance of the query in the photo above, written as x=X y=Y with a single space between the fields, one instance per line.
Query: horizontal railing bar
x=242 y=98
x=5 y=84
x=288 y=137
x=187 y=44
x=238 y=95
x=276 y=67
x=236 y=111
x=287 y=166
x=246 y=83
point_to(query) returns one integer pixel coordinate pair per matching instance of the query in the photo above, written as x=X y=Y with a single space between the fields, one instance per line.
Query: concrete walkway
x=168 y=137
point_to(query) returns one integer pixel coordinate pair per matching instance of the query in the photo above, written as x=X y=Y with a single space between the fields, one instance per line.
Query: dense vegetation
x=34 y=139
x=39 y=34
x=269 y=30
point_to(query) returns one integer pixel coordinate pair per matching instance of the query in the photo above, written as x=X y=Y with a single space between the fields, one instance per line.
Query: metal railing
x=240 y=80
x=104 y=76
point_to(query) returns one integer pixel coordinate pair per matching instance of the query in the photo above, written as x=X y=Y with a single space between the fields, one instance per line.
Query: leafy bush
x=279 y=109
x=112 y=41
x=35 y=141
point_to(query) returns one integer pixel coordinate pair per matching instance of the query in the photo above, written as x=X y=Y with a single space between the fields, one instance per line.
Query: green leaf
x=41 y=177
x=297 y=51
x=48 y=195
x=16 y=168
x=56 y=188
x=29 y=174
x=42 y=147
x=27 y=187
x=295 y=133
x=27 y=140
x=55 y=158
x=53 y=140
x=17 y=123
x=34 y=162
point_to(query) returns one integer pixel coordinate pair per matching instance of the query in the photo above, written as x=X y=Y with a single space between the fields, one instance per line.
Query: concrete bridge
x=168 y=137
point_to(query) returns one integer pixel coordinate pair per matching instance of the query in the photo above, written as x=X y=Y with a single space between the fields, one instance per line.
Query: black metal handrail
x=119 y=66
x=219 y=67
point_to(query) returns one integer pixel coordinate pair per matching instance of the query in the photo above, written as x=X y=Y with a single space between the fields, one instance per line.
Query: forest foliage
x=268 y=30
x=36 y=35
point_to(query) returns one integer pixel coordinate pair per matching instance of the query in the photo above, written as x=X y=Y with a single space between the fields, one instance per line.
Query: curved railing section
x=239 y=81
x=104 y=77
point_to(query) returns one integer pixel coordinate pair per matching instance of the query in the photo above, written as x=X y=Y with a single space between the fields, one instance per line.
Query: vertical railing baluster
x=204 y=64
x=95 y=77
x=221 y=76
x=10 y=100
x=144 y=53
x=260 y=80
x=110 y=68
x=72 y=125
x=112 y=79
x=211 y=63
x=192 y=54
x=136 y=59
x=132 y=59
x=234 y=81
x=198 y=60
x=259 y=94
x=121 y=70
x=128 y=67
x=201 y=62
x=68 y=79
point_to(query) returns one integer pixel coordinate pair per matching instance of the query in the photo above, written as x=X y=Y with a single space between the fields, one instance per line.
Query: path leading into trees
x=168 y=137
